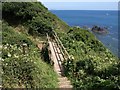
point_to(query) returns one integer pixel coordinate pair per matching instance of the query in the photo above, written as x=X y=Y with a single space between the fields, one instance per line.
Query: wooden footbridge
x=58 y=54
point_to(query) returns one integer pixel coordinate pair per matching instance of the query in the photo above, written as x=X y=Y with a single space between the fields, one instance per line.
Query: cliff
x=25 y=22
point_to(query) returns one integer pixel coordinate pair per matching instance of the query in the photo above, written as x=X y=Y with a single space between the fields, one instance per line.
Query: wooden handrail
x=47 y=37
x=58 y=40
x=60 y=49
x=60 y=45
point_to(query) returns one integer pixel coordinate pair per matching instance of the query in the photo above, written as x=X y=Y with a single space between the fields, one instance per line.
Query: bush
x=93 y=63
x=40 y=26
x=12 y=37
x=25 y=70
x=23 y=66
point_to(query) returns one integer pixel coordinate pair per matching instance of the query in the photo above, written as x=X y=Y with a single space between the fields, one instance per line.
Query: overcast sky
x=79 y=5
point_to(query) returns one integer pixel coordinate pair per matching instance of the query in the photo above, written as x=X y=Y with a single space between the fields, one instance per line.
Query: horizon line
x=87 y=9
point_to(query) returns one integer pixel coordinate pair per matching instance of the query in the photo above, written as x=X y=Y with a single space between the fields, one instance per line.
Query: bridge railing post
x=49 y=52
x=62 y=48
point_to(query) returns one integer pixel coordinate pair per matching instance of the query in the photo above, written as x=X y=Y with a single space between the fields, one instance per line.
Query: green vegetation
x=93 y=67
x=33 y=15
x=24 y=69
x=25 y=66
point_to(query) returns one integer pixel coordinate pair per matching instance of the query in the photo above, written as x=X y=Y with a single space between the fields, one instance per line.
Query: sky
x=79 y=5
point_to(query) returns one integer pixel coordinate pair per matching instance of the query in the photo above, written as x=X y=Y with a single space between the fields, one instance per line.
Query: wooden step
x=64 y=83
x=62 y=79
x=58 y=57
x=65 y=89
x=61 y=56
x=66 y=86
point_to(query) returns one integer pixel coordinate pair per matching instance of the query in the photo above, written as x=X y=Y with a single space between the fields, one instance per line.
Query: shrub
x=94 y=66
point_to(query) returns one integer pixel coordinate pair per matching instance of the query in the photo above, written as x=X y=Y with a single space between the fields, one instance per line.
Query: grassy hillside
x=27 y=22
x=33 y=15
x=24 y=69
x=93 y=67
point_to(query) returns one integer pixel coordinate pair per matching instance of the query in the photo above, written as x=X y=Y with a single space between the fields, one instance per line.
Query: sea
x=89 y=18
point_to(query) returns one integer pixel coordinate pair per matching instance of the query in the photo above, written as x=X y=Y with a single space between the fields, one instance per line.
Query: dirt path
x=57 y=58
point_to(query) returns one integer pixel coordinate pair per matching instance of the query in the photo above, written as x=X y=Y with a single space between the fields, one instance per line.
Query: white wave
x=115 y=39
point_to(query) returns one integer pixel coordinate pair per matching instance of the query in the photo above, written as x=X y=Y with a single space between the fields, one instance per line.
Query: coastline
x=85 y=18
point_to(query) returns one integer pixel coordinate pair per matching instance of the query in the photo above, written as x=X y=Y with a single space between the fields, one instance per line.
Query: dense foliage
x=37 y=21
x=22 y=65
x=93 y=66
x=33 y=15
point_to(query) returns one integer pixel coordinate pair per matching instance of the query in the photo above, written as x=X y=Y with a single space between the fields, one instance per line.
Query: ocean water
x=90 y=18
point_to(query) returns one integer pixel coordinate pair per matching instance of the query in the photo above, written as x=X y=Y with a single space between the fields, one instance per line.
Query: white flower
x=116 y=63
x=111 y=59
x=5 y=47
x=7 y=44
x=72 y=57
x=16 y=56
x=110 y=62
x=1 y=72
x=0 y=46
x=9 y=55
x=27 y=55
x=106 y=58
x=2 y=59
x=6 y=64
x=26 y=61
